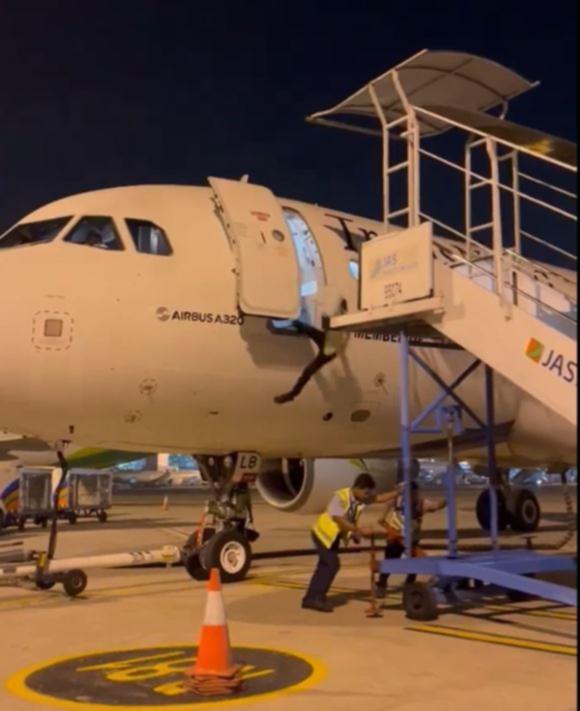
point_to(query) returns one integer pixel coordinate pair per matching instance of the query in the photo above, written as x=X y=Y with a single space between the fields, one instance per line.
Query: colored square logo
x=534 y=350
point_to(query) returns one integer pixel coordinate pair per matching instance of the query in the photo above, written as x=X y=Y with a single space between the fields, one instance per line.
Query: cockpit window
x=96 y=232
x=33 y=232
x=149 y=238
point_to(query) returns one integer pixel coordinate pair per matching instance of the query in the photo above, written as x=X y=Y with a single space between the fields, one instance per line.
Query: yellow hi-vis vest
x=326 y=529
x=395 y=518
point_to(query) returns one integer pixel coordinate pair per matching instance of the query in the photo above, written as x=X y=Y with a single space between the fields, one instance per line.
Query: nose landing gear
x=226 y=531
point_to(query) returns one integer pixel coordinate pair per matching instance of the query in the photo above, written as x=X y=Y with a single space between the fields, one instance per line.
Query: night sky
x=96 y=94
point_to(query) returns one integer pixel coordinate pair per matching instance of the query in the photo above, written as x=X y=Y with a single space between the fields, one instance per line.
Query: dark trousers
x=311 y=369
x=325 y=572
x=394 y=549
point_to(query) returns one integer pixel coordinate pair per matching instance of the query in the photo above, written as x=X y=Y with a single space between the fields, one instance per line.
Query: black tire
x=194 y=567
x=230 y=552
x=74 y=582
x=45 y=583
x=420 y=602
x=483 y=511
x=525 y=514
x=21 y=523
x=2 y=519
x=102 y=516
x=72 y=518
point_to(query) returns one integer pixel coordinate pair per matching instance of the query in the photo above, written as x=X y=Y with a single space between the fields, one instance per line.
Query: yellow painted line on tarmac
x=42 y=598
x=334 y=590
x=493 y=638
x=534 y=612
x=296 y=585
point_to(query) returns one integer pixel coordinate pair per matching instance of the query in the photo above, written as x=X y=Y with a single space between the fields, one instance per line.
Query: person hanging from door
x=329 y=343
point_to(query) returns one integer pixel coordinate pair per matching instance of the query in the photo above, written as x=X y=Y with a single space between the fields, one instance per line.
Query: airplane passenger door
x=267 y=267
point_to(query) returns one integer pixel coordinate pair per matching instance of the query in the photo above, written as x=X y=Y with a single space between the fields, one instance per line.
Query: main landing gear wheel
x=525 y=515
x=420 y=602
x=102 y=516
x=230 y=552
x=483 y=511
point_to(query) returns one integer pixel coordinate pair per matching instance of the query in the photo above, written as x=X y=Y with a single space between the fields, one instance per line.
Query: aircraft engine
x=306 y=485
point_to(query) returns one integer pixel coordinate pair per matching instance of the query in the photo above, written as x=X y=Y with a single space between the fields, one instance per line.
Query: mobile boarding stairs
x=478 y=250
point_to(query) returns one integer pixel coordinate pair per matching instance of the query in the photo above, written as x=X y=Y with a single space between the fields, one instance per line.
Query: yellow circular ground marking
x=151 y=679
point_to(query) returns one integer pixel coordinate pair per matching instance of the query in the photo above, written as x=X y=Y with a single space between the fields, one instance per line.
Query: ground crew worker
x=339 y=522
x=329 y=344
x=393 y=521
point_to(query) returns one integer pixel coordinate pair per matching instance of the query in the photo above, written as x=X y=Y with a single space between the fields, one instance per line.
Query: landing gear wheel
x=230 y=552
x=74 y=582
x=21 y=523
x=525 y=515
x=420 y=602
x=45 y=583
x=483 y=511
x=194 y=567
x=102 y=516
x=72 y=518
x=191 y=553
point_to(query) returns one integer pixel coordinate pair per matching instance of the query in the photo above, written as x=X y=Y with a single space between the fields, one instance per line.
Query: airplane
x=159 y=318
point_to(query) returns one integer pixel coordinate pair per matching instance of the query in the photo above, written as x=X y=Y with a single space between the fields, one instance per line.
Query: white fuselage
x=153 y=355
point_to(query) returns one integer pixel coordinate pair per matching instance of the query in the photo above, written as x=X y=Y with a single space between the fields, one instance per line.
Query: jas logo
x=556 y=362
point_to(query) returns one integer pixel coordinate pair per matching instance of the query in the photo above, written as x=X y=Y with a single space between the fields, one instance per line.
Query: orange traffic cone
x=214 y=672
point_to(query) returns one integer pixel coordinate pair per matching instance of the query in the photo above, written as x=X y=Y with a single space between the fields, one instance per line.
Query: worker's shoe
x=318 y=605
x=380 y=592
x=281 y=399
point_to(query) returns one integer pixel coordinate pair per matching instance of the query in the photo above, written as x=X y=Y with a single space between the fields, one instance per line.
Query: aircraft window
x=97 y=232
x=33 y=232
x=149 y=238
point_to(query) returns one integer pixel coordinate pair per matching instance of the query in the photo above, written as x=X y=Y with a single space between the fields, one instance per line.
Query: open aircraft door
x=267 y=266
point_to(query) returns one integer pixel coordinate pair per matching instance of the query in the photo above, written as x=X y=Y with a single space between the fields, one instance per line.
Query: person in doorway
x=329 y=344
x=339 y=523
x=393 y=521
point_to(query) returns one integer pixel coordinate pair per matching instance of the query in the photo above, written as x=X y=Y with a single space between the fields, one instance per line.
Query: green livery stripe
x=102 y=458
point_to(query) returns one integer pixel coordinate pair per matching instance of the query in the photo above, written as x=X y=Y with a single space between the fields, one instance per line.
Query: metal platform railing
x=493 y=239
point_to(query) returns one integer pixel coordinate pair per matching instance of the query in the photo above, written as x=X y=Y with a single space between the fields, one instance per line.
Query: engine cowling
x=306 y=485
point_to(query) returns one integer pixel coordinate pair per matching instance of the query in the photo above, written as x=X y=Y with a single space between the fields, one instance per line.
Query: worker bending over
x=339 y=522
x=393 y=521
